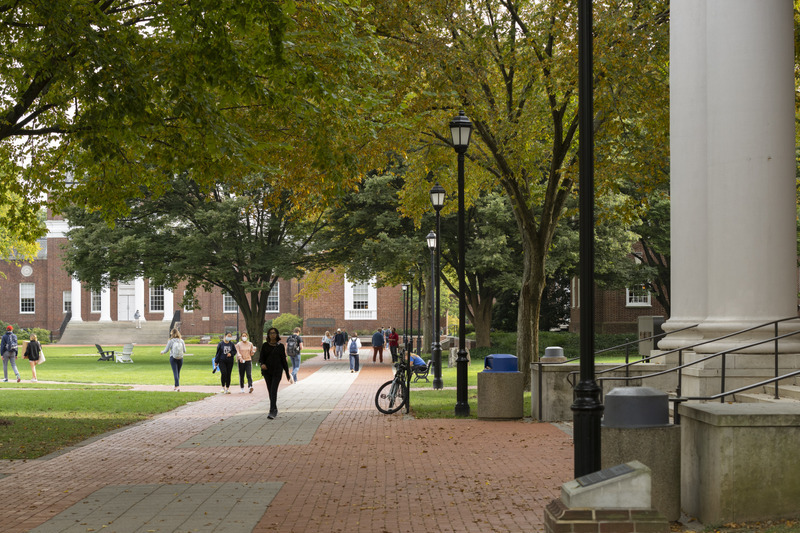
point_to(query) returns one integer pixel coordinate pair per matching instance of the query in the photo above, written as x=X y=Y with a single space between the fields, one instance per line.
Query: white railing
x=361 y=314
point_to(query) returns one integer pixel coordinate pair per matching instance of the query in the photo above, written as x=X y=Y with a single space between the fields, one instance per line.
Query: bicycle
x=393 y=395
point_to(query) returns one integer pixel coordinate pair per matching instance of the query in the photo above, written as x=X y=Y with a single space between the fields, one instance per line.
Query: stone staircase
x=788 y=394
x=115 y=333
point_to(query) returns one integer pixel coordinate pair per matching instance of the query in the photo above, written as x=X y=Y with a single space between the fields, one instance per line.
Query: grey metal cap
x=636 y=407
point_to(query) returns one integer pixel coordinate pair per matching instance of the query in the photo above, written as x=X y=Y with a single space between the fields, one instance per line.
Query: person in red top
x=394 y=342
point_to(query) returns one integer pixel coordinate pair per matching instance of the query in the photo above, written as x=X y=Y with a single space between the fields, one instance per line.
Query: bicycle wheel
x=391 y=397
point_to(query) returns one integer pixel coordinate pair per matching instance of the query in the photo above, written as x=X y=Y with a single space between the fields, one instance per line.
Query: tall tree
x=512 y=66
x=98 y=98
x=241 y=243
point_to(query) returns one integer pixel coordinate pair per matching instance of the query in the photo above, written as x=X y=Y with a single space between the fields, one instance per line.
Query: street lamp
x=431 y=238
x=438 y=195
x=587 y=408
x=460 y=132
x=405 y=314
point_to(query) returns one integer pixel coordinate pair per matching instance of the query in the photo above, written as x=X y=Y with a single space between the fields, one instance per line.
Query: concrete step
x=762 y=397
x=115 y=333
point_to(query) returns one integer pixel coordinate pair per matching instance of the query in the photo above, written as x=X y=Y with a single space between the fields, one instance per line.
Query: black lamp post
x=431 y=238
x=405 y=314
x=438 y=195
x=460 y=132
x=587 y=409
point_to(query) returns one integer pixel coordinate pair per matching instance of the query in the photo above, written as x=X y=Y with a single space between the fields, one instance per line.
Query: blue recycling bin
x=501 y=362
x=500 y=390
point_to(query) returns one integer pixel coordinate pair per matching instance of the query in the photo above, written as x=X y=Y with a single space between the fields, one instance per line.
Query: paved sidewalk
x=330 y=462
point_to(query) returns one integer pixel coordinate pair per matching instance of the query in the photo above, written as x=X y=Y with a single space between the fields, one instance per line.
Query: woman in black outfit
x=272 y=361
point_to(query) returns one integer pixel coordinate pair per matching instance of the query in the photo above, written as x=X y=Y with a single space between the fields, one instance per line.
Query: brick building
x=40 y=293
x=616 y=311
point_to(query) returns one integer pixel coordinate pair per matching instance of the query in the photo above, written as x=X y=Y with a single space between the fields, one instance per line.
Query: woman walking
x=226 y=351
x=176 y=348
x=244 y=354
x=326 y=345
x=32 y=353
x=273 y=362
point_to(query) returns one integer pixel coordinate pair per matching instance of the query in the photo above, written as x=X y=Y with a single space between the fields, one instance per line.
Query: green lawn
x=35 y=424
x=80 y=365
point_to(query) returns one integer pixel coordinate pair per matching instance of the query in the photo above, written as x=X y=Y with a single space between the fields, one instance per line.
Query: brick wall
x=612 y=315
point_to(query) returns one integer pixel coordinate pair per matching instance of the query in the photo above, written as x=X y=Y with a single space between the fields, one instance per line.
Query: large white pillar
x=688 y=134
x=168 y=305
x=75 y=294
x=139 y=296
x=752 y=252
x=105 y=305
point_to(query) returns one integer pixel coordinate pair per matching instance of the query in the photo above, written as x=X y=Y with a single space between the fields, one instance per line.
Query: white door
x=126 y=293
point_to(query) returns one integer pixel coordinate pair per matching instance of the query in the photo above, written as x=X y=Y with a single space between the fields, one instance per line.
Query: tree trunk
x=482 y=319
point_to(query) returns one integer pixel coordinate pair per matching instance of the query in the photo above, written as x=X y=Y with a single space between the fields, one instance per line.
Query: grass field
x=78 y=364
x=37 y=423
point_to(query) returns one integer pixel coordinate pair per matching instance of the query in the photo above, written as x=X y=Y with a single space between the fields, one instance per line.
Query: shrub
x=286 y=323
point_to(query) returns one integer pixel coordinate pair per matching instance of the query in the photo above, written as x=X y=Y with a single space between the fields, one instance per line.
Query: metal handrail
x=627 y=344
x=681 y=365
x=67 y=318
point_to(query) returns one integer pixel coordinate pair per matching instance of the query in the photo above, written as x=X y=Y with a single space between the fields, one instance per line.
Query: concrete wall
x=739 y=461
x=557 y=396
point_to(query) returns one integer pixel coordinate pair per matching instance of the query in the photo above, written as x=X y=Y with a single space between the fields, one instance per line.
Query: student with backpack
x=176 y=349
x=353 y=345
x=294 y=346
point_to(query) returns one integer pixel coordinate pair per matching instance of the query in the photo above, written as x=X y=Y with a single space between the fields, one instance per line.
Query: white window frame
x=229 y=304
x=635 y=298
x=274 y=299
x=27 y=296
x=66 y=300
x=350 y=312
x=96 y=304
x=154 y=298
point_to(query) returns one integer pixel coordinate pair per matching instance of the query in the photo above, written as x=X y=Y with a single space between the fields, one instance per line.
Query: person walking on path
x=33 y=353
x=176 y=348
x=326 y=345
x=272 y=360
x=137 y=317
x=8 y=348
x=377 y=345
x=226 y=351
x=394 y=342
x=244 y=355
x=294 y=347
x=353 y=345
x=338 y=343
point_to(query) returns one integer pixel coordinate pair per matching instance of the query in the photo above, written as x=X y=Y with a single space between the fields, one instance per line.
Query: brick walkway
x=329 y=462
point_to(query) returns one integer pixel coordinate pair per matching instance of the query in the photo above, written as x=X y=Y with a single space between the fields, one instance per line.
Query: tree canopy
x=240 y=243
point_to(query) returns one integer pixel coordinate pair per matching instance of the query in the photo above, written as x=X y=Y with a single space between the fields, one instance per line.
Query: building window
x=360 y=300
x=156 y=298
x=96 y=305
x=274 y=299
x=637 y=297
x=191 y=303
x=66 y=298
x=229 y=304
x=27 y=298
x=360 y=296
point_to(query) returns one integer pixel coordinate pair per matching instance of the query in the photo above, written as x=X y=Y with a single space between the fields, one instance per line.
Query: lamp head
x=460 y=132
x=431 y=238
x=438 y=195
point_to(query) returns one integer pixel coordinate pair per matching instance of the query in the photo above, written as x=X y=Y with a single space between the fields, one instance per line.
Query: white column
x=168 y=305
x=75 y=290
x=105 y=305
x=139 y=296
x=751 y=241
x=688 y=134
